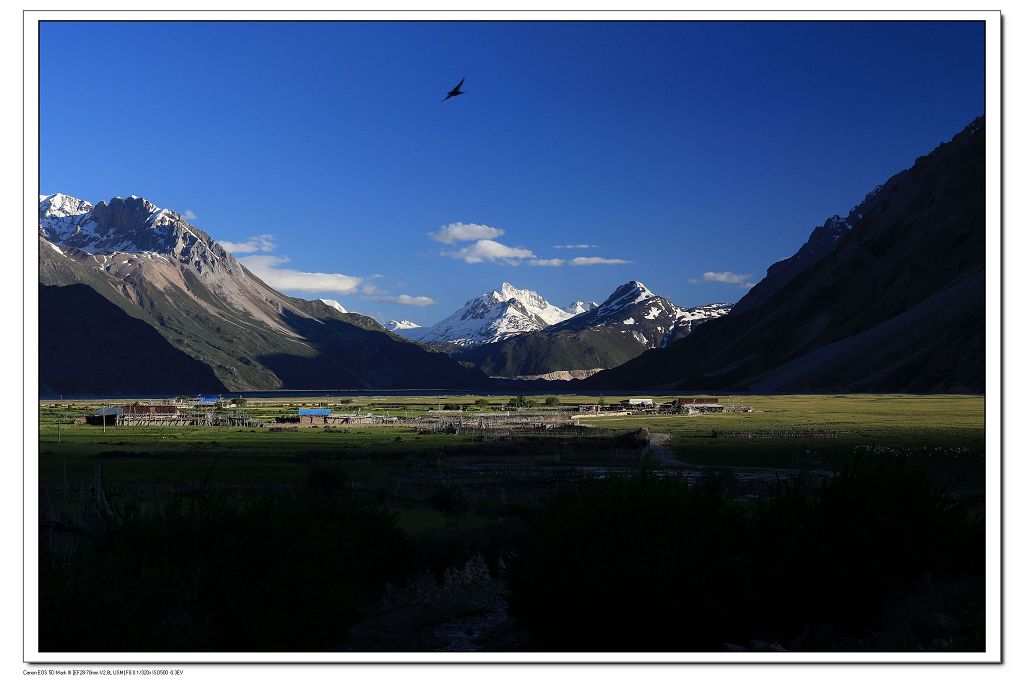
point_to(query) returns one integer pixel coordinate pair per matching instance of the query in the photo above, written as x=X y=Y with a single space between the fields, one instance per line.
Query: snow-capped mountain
x=577 y=307
x=156 y=267
x=630 y=321
x=134 y=225
x=494 y=316
x=398 y=325
x=132 y=240
x=691 y=318
x=334 y=304
x=635 y=310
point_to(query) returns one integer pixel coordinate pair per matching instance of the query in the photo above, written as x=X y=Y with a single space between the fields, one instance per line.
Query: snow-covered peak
x=633 y=292
x=577 y=307
x=508 y=291
x=395 y=325
x=635 y=310
x=62 y=206
x=497 y=315
x=334 y=304
x=533 y=302
x=130 y=226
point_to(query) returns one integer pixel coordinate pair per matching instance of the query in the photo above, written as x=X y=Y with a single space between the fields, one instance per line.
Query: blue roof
x=209 y=399
x=314 y=411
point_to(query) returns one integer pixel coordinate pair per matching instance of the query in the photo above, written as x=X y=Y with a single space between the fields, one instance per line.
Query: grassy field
x=895 y=424
x=948 y=430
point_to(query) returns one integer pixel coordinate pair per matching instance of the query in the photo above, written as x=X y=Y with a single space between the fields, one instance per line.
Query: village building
x=314 y=416
x=145 y=409
x=637 y=403
x=697 y=405
x=107 y=415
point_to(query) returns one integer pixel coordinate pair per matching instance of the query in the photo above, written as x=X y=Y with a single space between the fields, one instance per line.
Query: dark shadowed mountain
x=630 y=321
x=89 y=345
x=890 y=298
x=160 y=270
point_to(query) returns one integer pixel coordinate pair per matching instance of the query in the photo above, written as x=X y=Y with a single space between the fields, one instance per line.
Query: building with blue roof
x=323 y=412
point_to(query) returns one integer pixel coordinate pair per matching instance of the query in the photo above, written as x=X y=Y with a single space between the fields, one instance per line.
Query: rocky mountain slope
x=889 y=299
x=159 y=269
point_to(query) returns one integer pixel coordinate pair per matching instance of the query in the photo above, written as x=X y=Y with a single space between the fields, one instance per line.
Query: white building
x=637 y=403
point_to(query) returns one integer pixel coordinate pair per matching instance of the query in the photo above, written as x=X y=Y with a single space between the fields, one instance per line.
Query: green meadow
x=945 y=429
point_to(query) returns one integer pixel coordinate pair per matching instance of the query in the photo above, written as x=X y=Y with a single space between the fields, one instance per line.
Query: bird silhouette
x=455 y=91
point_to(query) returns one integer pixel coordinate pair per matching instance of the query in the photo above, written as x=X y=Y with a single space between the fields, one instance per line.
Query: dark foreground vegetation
x=206 y=574
x=875 y=559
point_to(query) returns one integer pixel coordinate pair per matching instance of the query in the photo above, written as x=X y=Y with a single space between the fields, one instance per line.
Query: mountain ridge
x=918 y=242
x=158 y=268
x=629 y=321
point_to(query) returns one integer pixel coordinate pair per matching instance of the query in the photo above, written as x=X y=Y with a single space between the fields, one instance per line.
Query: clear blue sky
x=682 y=148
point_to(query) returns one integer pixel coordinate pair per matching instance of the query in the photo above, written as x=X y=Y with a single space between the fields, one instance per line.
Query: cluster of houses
x=203 y=410
x=678 y=406
x=179 y=411
x=692 y=406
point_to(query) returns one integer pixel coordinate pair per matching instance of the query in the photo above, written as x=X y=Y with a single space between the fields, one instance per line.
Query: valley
x=519 y=476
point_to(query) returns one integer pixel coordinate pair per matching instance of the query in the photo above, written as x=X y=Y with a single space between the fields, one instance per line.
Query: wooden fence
x=792 y=433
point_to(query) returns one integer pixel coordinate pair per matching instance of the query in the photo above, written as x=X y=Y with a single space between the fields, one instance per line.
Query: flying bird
x=455 y=91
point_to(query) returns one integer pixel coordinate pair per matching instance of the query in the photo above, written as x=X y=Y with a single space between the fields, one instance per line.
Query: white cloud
x=575 y=246
x=597 y=261
x=726 y=277
x=406 y=300
x=492 y=252
x=464 y=232
x=266 y=268
x=403 y=299
x=189 y=215
x=253 y=244
x=547 y=262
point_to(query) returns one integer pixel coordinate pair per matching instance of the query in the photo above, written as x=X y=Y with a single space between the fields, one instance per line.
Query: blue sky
x=661 y=151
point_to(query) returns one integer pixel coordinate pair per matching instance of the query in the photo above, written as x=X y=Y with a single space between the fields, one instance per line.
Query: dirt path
x=660 y=451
